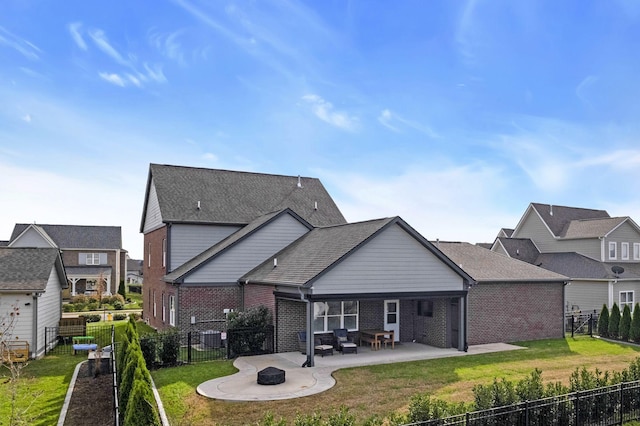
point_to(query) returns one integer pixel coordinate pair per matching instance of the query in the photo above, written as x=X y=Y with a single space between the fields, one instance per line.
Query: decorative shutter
x=82 y=259
x=103 y=258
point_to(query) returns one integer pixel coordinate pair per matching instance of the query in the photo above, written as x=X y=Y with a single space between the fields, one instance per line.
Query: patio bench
x=83 y=343
x=375 y=343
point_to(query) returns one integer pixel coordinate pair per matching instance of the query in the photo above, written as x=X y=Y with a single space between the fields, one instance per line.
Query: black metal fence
x=610 y=405
x=60 y=340
x=581 y=323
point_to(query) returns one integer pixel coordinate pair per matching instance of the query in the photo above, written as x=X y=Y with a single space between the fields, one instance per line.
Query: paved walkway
x=243 y=386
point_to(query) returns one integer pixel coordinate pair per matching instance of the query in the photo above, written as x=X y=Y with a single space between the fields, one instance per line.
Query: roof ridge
x=234 y=171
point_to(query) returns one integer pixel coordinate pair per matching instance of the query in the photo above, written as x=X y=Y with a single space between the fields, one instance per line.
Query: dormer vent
x=551 y=210
x=299 y=185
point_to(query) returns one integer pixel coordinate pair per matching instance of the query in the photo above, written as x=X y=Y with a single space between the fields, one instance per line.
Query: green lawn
x=451 y=379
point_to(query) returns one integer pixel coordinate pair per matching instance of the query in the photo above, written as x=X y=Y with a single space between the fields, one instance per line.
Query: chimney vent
x=275 y=262
x=299 y=182
x=198 y=205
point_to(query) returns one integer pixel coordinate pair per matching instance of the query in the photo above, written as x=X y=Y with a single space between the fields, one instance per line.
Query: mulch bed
x=92 y=400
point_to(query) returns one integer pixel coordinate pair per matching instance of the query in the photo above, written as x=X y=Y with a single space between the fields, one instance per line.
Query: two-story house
x=600 y=253
x=219 y=240
x=93 y=256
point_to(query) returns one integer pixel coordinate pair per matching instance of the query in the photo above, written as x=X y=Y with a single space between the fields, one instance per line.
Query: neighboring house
x=218 y=240
x=599 y=253
x=32 y=280
x=134 y=271
x=89 y=253
x=511 y=300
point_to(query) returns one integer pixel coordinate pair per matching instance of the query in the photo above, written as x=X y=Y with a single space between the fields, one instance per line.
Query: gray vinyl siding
x=30 y=238
x=590 y=247
x=249 y=252
x=393 y=261
x=586 y=296
x=49 y=309
x=153 y=218
x=187 y=241
x=625 y=233
x=534 y=228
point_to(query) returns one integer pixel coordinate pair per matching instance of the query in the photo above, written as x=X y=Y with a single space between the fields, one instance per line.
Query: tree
x=20 y=398
x=603 y=322
x=634 y=332
x=625 y=323
x=614 y=322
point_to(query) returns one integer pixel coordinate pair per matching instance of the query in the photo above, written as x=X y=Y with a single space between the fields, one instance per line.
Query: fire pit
x=270 y=376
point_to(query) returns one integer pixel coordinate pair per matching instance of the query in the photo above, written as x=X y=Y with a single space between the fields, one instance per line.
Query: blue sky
x=454 y=115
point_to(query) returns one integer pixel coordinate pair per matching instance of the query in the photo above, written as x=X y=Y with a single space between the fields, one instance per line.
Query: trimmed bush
x=141 y=410
x=603 y=321
x=79 y=298
x=634 y=332
x=119 y=317
x=93 y=306
x=614 y=322
x=122 y=290
x=625 y=323
x=91 y=317
x=67 y=307
x=170 y=346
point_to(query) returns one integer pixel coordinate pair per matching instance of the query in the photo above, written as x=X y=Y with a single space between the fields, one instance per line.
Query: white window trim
x=636 y=251
x=631 y=304
x=342 y=316
x=614 y=245
x=92 y=258
x=624 y=251
x=149 y=255
x=164 y=308
x=164 y=252
x=172 y=310
x=154 y=303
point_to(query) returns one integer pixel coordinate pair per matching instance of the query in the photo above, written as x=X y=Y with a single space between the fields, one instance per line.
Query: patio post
x=462 y=334
x=310 y=344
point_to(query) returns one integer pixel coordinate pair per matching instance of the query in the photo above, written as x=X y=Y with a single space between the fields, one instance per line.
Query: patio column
x=73 y=285
x=462 y=334
x=310 y=338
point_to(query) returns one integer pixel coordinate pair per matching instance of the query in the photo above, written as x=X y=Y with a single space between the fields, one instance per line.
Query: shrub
x=118 y=305
x=614 y=322
x=68 y=307
x=423 y=407
x=170 y=346
x=634 y=331
x=92 y=317
x=625 y=323
x=79 y=298
x=141 y=407
x=92 y=299
x=603 y=321
x=122 y=289
x=135 y=316
x=258 y=316
x=119 y=317
x=92 y=306
x=149 y=347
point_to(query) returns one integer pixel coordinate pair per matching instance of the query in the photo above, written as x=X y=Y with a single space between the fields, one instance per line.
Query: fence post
x=621 y=403
x=526 y=412
x=572 y=324
x=466 y=418
x=189 y=347
x=591 y=325
x=576 y=404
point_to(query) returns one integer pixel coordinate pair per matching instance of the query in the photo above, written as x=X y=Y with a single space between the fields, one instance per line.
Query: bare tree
x=14 y=356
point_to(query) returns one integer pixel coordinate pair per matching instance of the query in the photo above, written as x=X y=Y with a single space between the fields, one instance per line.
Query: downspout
x=34 y=325
x=564 y=313
x=309 y=330
x=118 y=278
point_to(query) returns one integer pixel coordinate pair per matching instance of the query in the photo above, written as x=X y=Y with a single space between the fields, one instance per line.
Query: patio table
x=378 y=336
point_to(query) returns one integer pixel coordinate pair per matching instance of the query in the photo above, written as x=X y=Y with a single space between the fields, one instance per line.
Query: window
x=624 y=251
x=154 y=303
x=613 y=250
x=164 y=308
x=90 y=258
x=164 y=252
x=425 y=308
x=331 y=315
x=91 y=285
x=626 y=298
x=149 y=255
x=636 y=251
x=172 y=310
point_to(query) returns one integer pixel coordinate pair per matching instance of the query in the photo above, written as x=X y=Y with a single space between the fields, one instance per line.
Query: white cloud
x=155 y=73
x=74 y=30
x=112 y=78
x=101 y=41
x=26 y=118
x=324 y=111
x=210 y=157
x=389 y=119
x=19 y=44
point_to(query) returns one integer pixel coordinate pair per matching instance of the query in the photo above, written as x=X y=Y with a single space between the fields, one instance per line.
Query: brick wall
x=207 y=305
x=434 y=328
x=153 y=278
x=260 y=295
x=514 y=312
x=371 y=314
x=290 y=319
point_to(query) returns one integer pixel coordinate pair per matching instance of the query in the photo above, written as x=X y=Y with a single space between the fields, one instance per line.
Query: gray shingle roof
x=488 y=266
x=232 y=239
x=577 y=266
x=562 y=216
x=316 y=252
x=27 y=268
x=520 y=248
x=591 y=228
x=231 y=197
x=79 y=236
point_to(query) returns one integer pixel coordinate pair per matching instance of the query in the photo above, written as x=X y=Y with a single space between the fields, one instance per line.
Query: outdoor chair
x=318 y=346
x=342 y=342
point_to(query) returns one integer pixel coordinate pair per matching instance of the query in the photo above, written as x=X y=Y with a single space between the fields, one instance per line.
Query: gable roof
x=28 y=269
x=592 y=228
x=558 y=218
x=309 y=257
x=488 y=266
x=519 y=248
x=231 y=197
x=177 y=274
x=577 y=266
x=76 y=236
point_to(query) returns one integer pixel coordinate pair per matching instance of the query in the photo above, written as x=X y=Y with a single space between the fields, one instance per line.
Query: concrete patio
x=243 y=386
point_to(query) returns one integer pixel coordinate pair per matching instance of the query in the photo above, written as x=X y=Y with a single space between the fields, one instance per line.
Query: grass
x=382 y=389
